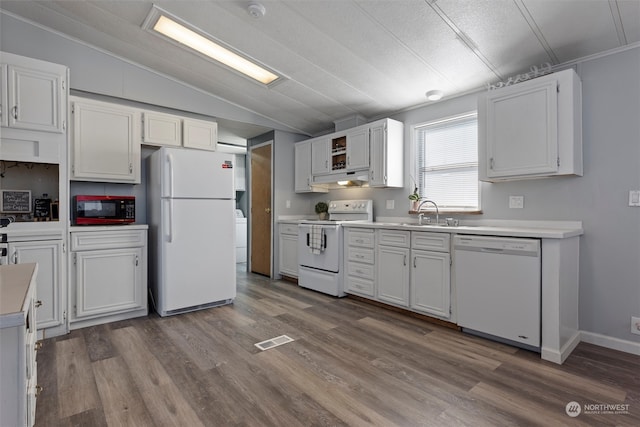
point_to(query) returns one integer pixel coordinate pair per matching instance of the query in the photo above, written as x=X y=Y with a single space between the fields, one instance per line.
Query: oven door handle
x=307 y=239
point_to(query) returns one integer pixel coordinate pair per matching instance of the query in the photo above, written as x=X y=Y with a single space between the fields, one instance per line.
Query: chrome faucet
x=421 y=214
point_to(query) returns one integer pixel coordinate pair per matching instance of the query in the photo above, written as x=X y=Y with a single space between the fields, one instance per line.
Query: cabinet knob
x=267 y=210
x=39 y=389
x=14 y=111
x=39 y=345
x=38 y=304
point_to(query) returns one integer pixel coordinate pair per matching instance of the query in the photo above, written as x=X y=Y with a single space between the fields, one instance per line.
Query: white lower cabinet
x=393 y=275
x=409 y=269
x=360 y=262
x=18 y=367
x=431 y=273
x=47 y=253
x=430 y=282
x=393 y=266
x=108 y=275
x=288 y=254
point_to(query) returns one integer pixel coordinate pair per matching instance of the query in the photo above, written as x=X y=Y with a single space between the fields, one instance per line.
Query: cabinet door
x=200 y=134
x=161 y=129
x=358 y=149
x=4 y=106
x=378 y=166
x=393 y=275
x=522 y=130
x=49 y=289
x=35 y=98
x=320 y=156
x=302 y=167
x=108 y=281
x=289 y=255
x=430 y=283
x=105 y=147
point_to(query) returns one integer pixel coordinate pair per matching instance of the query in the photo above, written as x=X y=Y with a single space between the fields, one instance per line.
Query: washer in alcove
x=241 y=237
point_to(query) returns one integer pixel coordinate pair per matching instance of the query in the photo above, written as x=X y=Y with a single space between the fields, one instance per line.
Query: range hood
x=357 y=178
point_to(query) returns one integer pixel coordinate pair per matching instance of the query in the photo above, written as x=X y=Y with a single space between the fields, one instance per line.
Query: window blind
x=447 y=162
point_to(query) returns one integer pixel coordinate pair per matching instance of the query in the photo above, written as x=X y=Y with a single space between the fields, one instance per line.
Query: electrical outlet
x=288 y=204
x=635 y=325
x=634 y=198
x=516 y=202
x=391 y=204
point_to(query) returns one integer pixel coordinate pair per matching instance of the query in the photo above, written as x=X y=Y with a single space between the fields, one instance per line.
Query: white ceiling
x=346 y=57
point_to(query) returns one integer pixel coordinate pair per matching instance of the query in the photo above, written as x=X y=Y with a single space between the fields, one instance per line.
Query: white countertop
x=15 y=280
x=486 y=227
x=535 y=229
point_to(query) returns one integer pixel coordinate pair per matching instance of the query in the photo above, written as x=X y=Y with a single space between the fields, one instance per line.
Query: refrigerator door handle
x=170 y=220
x=170 y=161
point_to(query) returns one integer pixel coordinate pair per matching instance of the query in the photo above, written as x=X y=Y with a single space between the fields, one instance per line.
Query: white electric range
x=320 y=243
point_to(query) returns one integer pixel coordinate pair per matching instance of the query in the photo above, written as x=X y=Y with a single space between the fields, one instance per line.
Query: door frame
x=250 y=206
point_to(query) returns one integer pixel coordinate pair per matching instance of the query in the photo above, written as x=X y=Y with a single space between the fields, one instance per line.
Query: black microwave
x=104 y=210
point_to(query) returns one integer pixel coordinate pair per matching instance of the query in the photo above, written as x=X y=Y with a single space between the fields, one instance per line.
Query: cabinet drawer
x=110 y=239
x=357 y=269
x=394 y=238
x=430 y=241
x=360 y=254
x=289 y=229
x=360 y=286
x=364 y=238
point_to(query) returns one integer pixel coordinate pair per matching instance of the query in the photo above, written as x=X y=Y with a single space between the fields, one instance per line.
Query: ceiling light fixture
x=158 y=21
x=434 y=95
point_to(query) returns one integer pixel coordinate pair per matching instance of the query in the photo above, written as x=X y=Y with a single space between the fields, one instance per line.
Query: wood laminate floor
x=351 y=364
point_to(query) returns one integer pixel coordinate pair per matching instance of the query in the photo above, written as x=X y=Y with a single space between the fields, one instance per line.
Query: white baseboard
x=559 y=356
x=611 y=342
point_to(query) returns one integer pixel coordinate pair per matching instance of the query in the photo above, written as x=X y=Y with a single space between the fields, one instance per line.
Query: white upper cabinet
x=358 y=148
x=4 y=104
x=387 y=154
x=532 y=129
x=106 y=144
x=302 y=169
x=376 y=148
x=320 y=156
x=200 y=134
x=32 y=94
x=161 y=129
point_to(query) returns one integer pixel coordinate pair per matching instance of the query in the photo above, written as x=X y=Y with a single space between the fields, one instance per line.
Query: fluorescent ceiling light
x=195 y=40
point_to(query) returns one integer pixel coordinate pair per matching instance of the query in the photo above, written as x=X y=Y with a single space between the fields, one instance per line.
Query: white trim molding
x=610 y=342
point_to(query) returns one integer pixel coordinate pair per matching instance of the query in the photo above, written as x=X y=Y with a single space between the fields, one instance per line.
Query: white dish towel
x=315 y=239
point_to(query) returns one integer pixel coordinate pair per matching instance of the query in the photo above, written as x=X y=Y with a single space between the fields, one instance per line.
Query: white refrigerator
x=191 y=212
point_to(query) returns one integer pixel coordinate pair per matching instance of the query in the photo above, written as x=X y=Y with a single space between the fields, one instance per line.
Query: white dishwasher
x=498 y=288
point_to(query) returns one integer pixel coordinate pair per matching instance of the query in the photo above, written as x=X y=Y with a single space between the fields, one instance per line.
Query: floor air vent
x=273 y=342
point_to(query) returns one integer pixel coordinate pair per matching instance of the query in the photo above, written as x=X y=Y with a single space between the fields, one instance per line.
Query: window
x=447 y=162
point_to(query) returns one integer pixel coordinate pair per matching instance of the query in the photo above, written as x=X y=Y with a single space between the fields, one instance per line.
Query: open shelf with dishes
x=339 y=153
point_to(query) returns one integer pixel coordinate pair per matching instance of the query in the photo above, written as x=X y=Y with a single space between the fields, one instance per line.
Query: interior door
x=261 y=210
